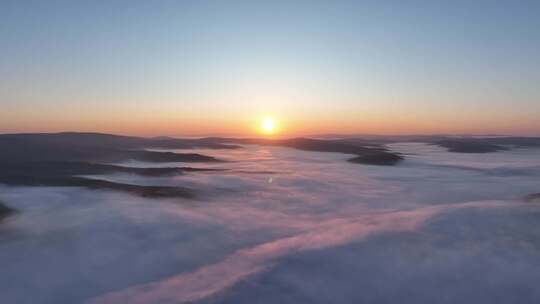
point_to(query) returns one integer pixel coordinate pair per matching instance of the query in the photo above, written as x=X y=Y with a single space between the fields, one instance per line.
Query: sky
x=182 y=68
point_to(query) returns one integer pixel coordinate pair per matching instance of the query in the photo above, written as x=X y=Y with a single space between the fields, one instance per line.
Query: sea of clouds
x=286 y=226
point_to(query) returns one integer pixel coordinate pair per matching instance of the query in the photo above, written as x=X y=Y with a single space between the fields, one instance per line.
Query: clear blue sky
x=181 y=67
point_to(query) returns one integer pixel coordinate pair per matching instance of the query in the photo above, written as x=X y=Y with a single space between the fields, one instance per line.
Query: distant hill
x=5 y=211
x=59 y=159
x=96 y=147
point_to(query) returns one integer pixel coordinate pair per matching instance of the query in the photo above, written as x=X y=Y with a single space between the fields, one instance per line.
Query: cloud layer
x=272 y=207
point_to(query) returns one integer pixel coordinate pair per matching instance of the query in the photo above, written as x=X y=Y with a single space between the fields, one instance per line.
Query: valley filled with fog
x=278 y=225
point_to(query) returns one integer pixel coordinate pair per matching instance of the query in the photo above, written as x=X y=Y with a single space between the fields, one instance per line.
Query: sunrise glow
x=268 y=125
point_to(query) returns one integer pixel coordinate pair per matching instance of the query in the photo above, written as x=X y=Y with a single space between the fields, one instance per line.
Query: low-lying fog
x=286 y=226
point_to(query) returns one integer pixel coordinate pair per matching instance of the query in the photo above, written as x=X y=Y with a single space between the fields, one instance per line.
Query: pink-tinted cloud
x=212 y=279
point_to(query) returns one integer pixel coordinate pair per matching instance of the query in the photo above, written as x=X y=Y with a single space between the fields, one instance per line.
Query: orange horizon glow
x=282 y=128
x=319 y=70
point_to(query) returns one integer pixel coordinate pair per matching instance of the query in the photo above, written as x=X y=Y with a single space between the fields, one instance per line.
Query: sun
x=268 y=126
